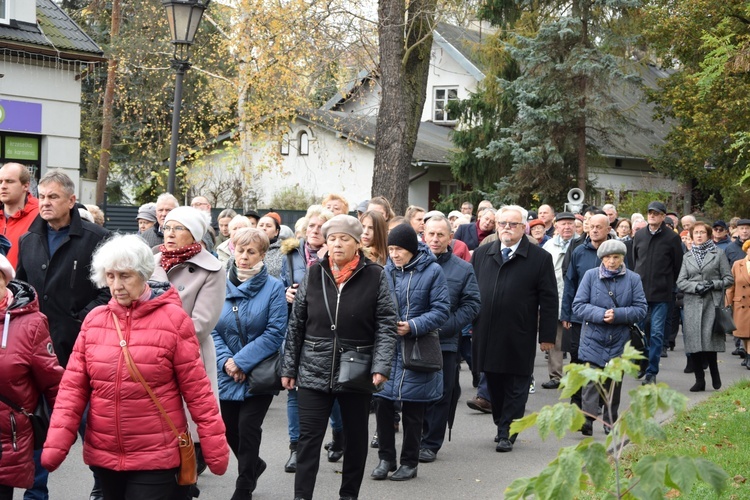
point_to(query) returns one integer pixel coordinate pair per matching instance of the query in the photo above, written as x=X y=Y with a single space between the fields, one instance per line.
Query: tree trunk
x=404 y=67
x=583 y=82
x=107 y=112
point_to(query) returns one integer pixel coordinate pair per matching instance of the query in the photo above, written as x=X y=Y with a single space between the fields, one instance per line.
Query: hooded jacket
x=125 y=430
x=250 y=329
x=464 y=296
x=28 y=368
x=421 y=292
x=365 y=318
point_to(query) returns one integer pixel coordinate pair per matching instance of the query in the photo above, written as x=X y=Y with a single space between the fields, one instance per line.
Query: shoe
x=427 y=456
x=504 y=445
x=336 y=450
x=97 y=493
x=199 y=459
x=497 y=438
x=375 y=443
x=260 y=468
x=588 y=428
x=664 y=352
x=404 y=473
x=743 y=353
x=641 y=374
x=689 y=368
x=607 y=429
x=532 y=386
x=381 y=471
x=242 y=494
x=480 y=404
x=699 y=386
x=347 y=498
x=291 y=464
x=551 y=384
x=736 y=352
x=744 y=362
x=650 y=379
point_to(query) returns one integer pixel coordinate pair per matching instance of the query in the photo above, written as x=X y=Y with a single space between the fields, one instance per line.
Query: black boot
x=336 y=448
x=713 y=367
x=291 y=464
x=700 y=375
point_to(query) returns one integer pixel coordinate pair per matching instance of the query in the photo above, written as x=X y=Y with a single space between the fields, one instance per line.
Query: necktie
x=506 y=253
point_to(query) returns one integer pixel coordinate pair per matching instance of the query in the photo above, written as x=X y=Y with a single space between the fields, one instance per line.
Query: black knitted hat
x=405 y=237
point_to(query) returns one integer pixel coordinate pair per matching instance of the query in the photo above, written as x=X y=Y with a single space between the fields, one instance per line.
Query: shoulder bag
x=39 y=419
x=723 y=318
x=355 y=363
x=420 y=354
x=638 y=338
x=188 y=473
x=265 y=378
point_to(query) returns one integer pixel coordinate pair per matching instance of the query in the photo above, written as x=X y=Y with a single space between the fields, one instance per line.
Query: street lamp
x=184 y=17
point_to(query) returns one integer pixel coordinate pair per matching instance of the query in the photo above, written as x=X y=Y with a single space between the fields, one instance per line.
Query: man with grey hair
x=55 y=258
x=165 y=203
x=519 y=308
x=611 y=212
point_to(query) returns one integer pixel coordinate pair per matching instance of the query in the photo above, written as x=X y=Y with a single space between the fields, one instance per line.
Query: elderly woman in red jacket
x=28 y=368
x=128 y=441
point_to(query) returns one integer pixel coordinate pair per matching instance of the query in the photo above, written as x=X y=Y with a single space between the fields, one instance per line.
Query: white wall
x=445 y=72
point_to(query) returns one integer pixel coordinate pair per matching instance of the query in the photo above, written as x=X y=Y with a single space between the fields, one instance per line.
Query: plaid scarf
x=170 y=258
x=344 y=273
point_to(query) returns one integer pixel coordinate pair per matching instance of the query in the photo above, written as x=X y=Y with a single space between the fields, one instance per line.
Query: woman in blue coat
x=421 y=292
x=251 y=328
x=609 y=300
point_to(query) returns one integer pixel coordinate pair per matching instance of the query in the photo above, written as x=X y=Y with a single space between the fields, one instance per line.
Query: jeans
x=482 y=391
x=657 y=315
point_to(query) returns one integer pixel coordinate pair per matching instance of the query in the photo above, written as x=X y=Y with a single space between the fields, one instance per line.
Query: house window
x=4 y=11
x=304 y=144
x=442 y=96
x=284 y=149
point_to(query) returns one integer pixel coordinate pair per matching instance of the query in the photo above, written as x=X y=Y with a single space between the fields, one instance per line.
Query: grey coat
x=699 y=311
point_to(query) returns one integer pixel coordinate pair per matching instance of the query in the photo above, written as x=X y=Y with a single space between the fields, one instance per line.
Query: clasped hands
x=231 y=368
x=703 y=288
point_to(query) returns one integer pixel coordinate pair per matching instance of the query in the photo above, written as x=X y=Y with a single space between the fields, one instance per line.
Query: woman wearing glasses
x=200 y=281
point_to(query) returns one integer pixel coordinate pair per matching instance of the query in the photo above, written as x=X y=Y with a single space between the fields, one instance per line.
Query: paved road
x=467 y=467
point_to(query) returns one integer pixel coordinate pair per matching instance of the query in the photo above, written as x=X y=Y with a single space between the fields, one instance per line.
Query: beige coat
x=739 y=298
x=201 y=284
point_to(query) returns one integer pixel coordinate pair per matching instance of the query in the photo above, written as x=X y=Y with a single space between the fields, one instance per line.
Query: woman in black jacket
x=342 y=304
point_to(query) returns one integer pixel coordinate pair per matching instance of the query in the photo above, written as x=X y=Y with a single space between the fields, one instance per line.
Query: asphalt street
x=466 y=467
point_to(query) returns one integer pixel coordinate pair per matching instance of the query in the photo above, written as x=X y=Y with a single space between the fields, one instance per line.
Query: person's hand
x=567 y=325
x=609 y=316
x=291 y=292
x=288 y=383
x=378 y=378
x=402 y=328
x=546 y=346
x=709 y=285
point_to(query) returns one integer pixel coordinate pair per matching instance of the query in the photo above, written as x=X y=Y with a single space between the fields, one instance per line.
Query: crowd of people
x=136 y=341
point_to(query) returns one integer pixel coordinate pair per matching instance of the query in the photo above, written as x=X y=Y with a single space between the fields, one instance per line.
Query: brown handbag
x=188 y=473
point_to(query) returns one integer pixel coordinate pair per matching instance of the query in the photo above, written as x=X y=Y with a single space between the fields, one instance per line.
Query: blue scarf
x=606 y=274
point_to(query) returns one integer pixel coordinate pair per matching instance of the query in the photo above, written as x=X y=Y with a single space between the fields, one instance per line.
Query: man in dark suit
x=473 y=234
x=519 y=300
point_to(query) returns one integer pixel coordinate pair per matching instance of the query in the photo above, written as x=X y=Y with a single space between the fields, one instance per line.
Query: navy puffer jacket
x=602 y=341
x=423 y=300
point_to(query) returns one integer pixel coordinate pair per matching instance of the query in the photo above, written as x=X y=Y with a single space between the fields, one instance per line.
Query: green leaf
x=562 y=478
x=520 y=425
x=519 y=488
x=596 y=461
x=681 y=473
x=711 y=474
x=650 y=472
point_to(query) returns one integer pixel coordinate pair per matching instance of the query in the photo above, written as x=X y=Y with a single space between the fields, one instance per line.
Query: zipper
x=14 y=440
x=73 y=274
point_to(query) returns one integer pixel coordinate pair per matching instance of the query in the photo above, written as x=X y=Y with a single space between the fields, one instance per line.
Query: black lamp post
x=184 y=17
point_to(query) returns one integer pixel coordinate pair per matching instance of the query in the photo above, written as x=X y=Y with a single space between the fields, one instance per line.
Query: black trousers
x=509 y=394
x=575 y=340
x=244 y=421
x=412 y=415
x=6 y=492
x=314 y=409
x=137 y=485
x=436 y=414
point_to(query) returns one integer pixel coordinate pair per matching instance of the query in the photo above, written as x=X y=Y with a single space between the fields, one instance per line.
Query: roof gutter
x=426 y=166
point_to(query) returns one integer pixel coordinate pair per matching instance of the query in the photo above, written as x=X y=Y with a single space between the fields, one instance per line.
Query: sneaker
x=375 y=443
x=480 y=404
x=532 y=387
x=650 y=379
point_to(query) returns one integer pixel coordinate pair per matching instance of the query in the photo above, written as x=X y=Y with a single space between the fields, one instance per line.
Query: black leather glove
x=709 y=285
x=700 y=289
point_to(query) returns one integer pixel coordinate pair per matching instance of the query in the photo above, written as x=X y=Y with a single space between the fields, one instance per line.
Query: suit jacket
x=519 y=301
x=468 y=234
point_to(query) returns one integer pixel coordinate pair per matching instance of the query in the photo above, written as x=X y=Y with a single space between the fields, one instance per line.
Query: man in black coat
x=657 y=252
x=518 y=291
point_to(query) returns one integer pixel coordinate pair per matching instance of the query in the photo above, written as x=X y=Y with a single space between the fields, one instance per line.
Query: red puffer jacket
x=28 y=367
x=125 y=430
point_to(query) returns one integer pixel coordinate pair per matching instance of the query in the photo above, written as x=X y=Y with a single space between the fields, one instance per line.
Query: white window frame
x=303 y=143
x=284 y=145
x=4 y=11
x=439 y=104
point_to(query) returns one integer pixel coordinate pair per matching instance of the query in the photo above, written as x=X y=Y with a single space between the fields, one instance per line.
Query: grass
x=717 y=429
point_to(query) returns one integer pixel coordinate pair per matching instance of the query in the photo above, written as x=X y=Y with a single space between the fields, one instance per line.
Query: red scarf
x=170 y=258
x=482 y=234
x=343 y=274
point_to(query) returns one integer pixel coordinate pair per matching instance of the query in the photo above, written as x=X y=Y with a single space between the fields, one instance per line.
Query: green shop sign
x=21 y=148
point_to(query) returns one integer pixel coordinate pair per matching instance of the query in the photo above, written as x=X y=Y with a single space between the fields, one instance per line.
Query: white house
x=331 y=149
x=43 y=56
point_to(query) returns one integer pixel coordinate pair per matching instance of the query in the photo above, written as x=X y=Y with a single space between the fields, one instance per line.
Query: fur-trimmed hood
x=290 y=244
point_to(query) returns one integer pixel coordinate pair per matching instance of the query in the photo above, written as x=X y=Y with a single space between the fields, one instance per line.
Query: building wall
x=59 y=93
x=445 y=72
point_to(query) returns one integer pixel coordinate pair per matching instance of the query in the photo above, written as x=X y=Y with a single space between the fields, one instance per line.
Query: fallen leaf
x=739 y=479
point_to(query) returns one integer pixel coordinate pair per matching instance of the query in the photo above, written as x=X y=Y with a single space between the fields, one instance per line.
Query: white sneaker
x=532 y=387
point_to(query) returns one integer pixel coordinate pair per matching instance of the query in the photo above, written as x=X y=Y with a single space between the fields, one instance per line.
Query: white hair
x=122 y=252
x=609 y=206
x=170 y=197
x=515 y=208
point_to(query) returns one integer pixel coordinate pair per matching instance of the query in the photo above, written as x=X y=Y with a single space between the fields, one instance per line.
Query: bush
x=293 y=198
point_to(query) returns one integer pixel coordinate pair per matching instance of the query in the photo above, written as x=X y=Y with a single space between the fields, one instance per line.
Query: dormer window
x=4 y=11
x=441 y=97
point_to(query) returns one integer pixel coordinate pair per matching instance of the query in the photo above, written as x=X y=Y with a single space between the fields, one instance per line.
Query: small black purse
x=39 y=419
x=724 y=317
x=638 y=338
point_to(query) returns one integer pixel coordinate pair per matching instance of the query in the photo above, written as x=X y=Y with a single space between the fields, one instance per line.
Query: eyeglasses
x=513 y=225
x=169 y=229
